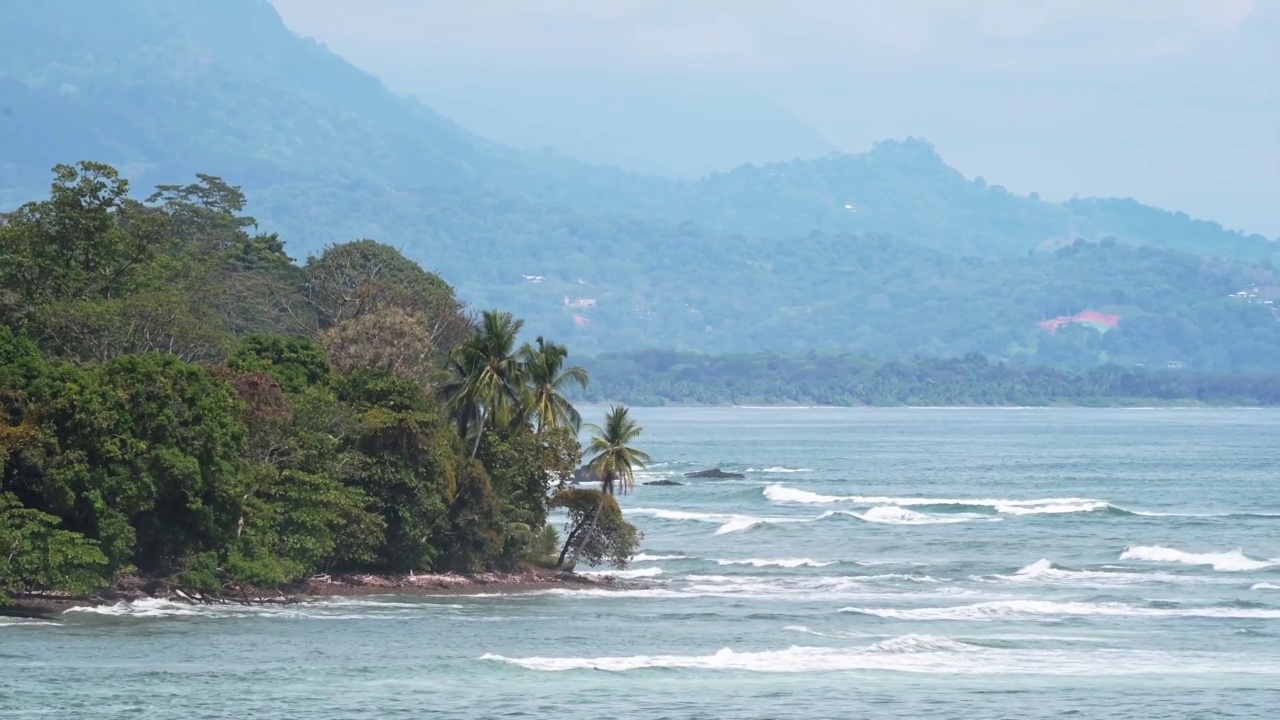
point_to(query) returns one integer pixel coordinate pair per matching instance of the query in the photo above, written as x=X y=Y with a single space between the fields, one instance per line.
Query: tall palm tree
x=615 y=463
x=547 y=377
x=489 y=385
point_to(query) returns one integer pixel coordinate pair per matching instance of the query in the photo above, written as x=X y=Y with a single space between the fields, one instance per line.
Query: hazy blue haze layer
x=872 y=563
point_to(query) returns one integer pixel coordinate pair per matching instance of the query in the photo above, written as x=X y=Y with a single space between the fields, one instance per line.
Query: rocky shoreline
x=43 y=605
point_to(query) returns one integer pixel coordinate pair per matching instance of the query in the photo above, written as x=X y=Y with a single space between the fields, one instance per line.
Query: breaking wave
x=1265 y=586
x=625 y=574
x=26 y=622
x=780 y=470
x=814 y=589
x=788 y=563
x=1003 y=609
x=1044 y=506
x=729 y=523
x=793 y=659
x=1233 y=561
x=645 y=557
x=784 y=494
x=1044 y=571
x=908 y=653
x=1055 y=508
x=885 y=515
x=890 y=515
x=336 y=609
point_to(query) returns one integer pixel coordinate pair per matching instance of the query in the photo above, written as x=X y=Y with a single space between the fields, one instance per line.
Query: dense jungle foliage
x=662 y=377
x=179 y=400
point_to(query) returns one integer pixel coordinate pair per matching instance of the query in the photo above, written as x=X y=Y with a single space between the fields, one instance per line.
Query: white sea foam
x=777 y=469
x=590 y=593
x=146 y=607
x=985 y=638
x=1233 y=561
x=806 y=631
x=908 y=653
x=625 y=574
x=891 y=515
x=1265 y=586
x=1053 y=508
x=1042 y=506
x=729 y=523
x=817 y=588
x=329 y=609
x=737 y=524
x=786 y=563
x=644 y=557
x=1004 y=609
x=784 y=494
x=1045 y=572
x=26 y=622
x=881 y=515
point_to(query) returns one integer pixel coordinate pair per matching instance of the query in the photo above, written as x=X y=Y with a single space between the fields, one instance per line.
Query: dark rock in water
x=583 y=475
x=663 y=482
x=713 y=473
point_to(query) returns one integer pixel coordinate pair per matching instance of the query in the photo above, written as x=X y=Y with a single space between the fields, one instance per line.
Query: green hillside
x=890 y=251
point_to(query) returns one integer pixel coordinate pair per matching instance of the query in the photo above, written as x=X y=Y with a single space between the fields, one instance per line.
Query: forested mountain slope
x=889 y=251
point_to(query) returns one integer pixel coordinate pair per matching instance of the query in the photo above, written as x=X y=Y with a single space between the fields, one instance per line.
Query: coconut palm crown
x=615 y=461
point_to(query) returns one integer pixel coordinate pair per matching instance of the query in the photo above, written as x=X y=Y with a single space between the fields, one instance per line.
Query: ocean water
x=1045 y=563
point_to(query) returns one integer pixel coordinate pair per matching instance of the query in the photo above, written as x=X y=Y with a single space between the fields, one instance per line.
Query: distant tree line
x=661 y=377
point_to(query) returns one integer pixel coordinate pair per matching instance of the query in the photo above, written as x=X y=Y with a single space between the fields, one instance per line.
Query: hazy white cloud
x=734 y=33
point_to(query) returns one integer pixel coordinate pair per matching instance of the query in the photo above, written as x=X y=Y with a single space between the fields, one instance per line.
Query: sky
x=1174 y=102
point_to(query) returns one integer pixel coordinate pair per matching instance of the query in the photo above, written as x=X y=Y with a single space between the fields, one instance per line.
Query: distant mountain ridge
x=174 y=87
x=772 y=256
x=668 y=126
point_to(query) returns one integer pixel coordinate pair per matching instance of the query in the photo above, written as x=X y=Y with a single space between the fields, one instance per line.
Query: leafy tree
x=544 y=370
x=391 y=340
x=407 y=464
x=524 y=467
x=160 y=321
x=614 y=462
x=598 y=530
x=295 y=363
x=353 y=280
x=87 y=242
x=489 y=384
x=298 y=514
x=36 y=555
x=141 y=453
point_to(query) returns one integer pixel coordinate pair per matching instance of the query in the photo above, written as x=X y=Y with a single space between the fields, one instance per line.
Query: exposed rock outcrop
x=714 y=473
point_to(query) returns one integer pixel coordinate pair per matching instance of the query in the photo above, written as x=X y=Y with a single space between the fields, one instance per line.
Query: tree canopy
x=179 y=400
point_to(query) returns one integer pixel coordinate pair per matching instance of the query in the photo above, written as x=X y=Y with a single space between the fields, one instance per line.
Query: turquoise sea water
x=874 y=563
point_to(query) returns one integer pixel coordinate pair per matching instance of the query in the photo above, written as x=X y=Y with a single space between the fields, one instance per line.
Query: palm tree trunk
x=475 y=449
x=586 y=536
x=568 y=542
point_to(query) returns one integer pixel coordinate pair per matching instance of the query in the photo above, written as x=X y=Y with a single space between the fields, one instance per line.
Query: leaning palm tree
x=615 y=463
x=547 y=377
x=489 y=386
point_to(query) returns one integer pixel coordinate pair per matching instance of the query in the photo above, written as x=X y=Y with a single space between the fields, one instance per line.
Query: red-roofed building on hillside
x=1097 y=320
